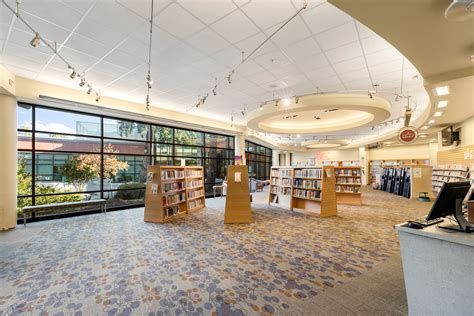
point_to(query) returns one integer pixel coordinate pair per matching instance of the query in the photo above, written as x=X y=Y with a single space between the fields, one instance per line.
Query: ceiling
x=195 y=41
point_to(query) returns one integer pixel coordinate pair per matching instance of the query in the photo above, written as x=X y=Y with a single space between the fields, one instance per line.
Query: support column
x=275 y=158
x=287 y=159
x=240 y=147
x=364 y=163
x=8 y=163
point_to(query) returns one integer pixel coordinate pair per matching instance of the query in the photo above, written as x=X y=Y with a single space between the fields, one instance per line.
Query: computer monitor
x=449 y=202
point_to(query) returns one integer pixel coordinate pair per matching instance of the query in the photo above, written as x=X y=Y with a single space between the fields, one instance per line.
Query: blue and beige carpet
x=116 y=264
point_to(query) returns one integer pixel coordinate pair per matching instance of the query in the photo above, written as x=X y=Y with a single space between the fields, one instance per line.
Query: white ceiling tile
x=109 y=69
x=142 y=8
x=337 y=36
x=82 y=43
x=208 y=11
x=364 y=31
x=23 y=63
x=258 y=11
x=135 y=48
x=380 y=78
x=235 y=27
x=304 y=88
x=207 y=41
x=330 y=84
x=49 y=31
x=209 y=66
x=312 y=62
x=374 y=43
x=350 y=65
x=100 y=32
x=389 y=66
x=322 y=74
x=311 y=4
x=229 y=57
x=21 y=71
x=54 y=12
x=293 y=32
x=303 y=48
x=250 y=44
x=262 y=78
x=123 y=59
x=273 y=59
x=112 y=15
x=178 y=21
x=324 y=17
x=285 y=70
x=345 y=52
x=249 y=67
x=77 y=59
x=4 y=30
x=354 y=75
x=23 y=38
x=360 y=84
x=26 y=52
x=383 y=56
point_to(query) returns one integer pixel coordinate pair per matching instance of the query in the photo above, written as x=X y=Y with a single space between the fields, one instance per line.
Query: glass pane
x=188 y=151
x=188 y=161
x=49 y=120
x=162 y=134
x=59 y=173
x=217 y=153
x=163 y=149
x=25 y=140
x=268 y=152
x=215 y=170
x=186 y=137
x=125 y=129
x=231 y=142
x=125 y=147
x=124 y=169
x=251 y=147
x=21 y=203
x=125 y=197
x=163 y=161
x=24 y=116
x=53 y=142
x=24 y=178
x=214 y=140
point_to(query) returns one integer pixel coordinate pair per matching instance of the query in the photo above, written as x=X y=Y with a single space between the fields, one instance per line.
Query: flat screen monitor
x=446 y=204
x=447 y=136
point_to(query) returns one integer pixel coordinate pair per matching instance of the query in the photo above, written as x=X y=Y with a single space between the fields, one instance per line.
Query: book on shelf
x=281 y=182
x=190 y=173
x=172 y=186
x=347 y=188
x=194 y=203
x=194 y=184
x=281 y=173
x=347 y=172
x=309 y=173
x=172 y=174
x=308 y=184
x=195 y=194
x=307 y=194
x=171 y=210
x=174 y=198
x=347 y=180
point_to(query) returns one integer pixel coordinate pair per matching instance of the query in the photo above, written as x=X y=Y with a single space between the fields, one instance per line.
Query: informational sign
x=407 y=135
x=238 y=160
x=154 y=188
x=417 y=172
x=238 y=177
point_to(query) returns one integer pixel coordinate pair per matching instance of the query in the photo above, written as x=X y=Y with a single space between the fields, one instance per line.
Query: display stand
x=237 y=204
x=348 y=185
x=281 y=185
x=376 y=166
x=314 y=191
x=173 y=191
x=408 y=181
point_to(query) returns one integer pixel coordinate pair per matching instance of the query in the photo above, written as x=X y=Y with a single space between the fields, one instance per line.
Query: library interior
x=236 y=157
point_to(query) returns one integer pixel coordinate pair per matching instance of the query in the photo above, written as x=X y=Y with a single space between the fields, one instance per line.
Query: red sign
x=407 y=135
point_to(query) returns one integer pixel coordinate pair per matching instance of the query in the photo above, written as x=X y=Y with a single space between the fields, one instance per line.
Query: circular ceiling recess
x=320 y=113
x=320 y=144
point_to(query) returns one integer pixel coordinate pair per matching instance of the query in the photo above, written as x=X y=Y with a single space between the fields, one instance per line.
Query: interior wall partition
x=68 y=155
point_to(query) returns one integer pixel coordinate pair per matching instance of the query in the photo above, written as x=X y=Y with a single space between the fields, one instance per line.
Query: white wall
x=331 y=155
x=466 y=134
x=401 y=152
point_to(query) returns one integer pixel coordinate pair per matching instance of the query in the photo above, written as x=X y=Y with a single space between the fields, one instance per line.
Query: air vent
x=330 y=110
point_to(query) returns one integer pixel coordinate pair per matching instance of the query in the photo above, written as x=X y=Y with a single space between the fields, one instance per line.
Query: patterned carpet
x=116 y=264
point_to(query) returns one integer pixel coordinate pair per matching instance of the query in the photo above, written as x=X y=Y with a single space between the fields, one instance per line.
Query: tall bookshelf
x=173 y=191
x=376 y=166
x=281 y=185
x=348 y=185
x=448 y=173
x=314 y=191
x=408 y=181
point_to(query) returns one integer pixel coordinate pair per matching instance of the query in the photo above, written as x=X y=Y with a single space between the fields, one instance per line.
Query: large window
x=70 y=156
x=259 y=160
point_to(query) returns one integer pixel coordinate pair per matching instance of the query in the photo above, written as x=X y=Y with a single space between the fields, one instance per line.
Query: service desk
x=438 y=266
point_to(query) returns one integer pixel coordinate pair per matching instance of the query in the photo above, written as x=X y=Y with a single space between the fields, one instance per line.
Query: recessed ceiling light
x=298 y=136
x=431 y=121
x=444 y=90
x=424 y=127
x=423 y=135
x=438 y=114
x=286 y=101
x=442 y=104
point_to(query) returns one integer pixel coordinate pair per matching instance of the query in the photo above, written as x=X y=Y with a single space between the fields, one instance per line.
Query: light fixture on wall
x=36 y=40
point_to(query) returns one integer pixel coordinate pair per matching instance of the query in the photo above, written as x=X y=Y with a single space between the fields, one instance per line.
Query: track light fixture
x=229 y=77
x=370 y=94
x=149 y=81
x=297 y=98
x=276 y=103
x=97 y=99
x=89 y=90
x=231 y=121
x=214 y=92
x=36 y=40
x=83 y=81
x=397 y=98
x=261 y=107
x=73 y=73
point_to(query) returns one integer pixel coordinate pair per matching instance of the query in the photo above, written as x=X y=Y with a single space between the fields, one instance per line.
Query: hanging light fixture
x=73 y=73
x=297 y=99
x=261 y=107
x=83 y=80
x=36 y=40
x=89 y=90
x=97 y=99
x=149 y=81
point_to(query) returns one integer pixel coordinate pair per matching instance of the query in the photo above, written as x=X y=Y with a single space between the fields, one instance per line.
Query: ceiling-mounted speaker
x=407 y=116
x=460 y=10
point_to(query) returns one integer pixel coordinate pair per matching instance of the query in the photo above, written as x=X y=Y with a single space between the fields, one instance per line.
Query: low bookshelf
x=348 y=185
x=448 y=173
x=173 y=191
x=281 y=185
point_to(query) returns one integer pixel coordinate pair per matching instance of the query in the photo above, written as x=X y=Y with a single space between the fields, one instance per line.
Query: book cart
x=348 y=185
x=173 y=191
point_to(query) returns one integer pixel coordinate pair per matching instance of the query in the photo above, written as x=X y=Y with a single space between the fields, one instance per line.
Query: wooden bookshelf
x=313 y=191
x=348 y=185
x=237 y=203
x=281 y=185
x=173 y=191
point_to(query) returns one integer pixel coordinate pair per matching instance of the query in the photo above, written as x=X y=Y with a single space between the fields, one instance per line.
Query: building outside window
x=71 y=156
x=259 y=160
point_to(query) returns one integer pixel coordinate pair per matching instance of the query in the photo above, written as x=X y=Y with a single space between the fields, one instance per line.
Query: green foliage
x=80 y=169
x=126 y=128
x=162 y=134
x=186 y=137
x=131 y=194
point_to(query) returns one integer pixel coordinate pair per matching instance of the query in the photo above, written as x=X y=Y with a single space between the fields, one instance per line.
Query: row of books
x=194 y=203
x=348 y=180
x=193 y=173
x=308 y=184
x=280 y=190
x=172 y=186
x=309 y=173
x=193 y=184
x=451 y=167
x=194 y=194
x=281 y=182
x=172 y=174
x=347 y=188
x=348 y=172
x=174 y=198
x=451 y=173
x=171 y=210
x=281 y=173
x=307 y=194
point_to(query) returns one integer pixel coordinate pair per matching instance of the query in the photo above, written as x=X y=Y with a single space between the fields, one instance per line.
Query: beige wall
x=401 y=152
x=466 y=134
x=332 y=155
